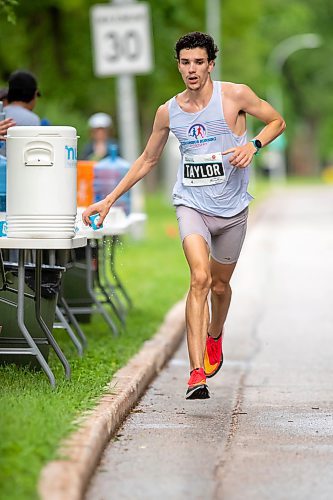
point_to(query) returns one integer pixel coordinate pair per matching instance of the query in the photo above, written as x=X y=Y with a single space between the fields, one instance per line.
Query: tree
x=306 y=79
x=7 y=7
x=52 y=39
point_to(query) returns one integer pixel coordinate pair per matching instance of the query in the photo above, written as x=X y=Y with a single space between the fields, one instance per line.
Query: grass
x=33 y=417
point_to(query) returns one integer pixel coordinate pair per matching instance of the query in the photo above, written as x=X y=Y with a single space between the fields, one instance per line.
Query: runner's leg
x=226 y=246
x=220 y=295
x=197 y=316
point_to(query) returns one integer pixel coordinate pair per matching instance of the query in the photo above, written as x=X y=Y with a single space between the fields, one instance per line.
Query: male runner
x=210 y=194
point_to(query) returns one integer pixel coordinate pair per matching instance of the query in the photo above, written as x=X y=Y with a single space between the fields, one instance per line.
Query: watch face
x=257 y=143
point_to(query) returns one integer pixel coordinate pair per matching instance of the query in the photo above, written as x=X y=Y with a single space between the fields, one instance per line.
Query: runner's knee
x=220 y=288
x=201 y=281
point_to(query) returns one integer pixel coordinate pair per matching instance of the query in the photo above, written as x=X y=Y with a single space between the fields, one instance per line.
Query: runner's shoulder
x=236 y=90
x=162 y=114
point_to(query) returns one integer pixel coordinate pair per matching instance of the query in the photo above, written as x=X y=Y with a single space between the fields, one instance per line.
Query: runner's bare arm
x=139 y=169
x=4 y=126
x=250 y=103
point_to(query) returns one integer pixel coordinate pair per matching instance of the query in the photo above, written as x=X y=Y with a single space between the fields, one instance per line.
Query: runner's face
x=194 y=67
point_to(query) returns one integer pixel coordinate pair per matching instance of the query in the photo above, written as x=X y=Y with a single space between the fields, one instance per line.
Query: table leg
x=2 y=273
x=103 y=289
x=52 y=257
x=39 y=318
x=91 y=291
x=73 y=320
x=113 y=290
x=20 y=320
x=64 y=324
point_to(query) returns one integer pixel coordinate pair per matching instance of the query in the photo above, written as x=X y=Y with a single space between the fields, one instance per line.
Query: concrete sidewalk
x=267 y=431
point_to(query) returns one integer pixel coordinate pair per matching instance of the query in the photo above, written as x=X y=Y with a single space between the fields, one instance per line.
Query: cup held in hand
x=94 y=220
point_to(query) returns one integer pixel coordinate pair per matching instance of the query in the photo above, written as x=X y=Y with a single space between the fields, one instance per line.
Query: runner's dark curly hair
x=197 y=39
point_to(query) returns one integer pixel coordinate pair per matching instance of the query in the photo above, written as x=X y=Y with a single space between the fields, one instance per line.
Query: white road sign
x=121 y=39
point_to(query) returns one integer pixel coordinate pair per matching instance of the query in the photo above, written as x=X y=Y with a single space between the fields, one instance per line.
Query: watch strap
x=255 y=145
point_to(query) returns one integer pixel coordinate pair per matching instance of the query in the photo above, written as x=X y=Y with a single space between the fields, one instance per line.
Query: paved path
x=267 y=431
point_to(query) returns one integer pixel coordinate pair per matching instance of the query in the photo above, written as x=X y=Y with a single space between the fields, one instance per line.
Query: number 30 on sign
x=121 y=39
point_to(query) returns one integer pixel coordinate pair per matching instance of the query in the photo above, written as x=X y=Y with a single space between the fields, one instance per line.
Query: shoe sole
x=217 y=369
x=199 y=392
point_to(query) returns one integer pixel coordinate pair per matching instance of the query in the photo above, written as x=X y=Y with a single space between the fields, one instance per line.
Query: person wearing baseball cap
x=100 y=125
x=21 y=97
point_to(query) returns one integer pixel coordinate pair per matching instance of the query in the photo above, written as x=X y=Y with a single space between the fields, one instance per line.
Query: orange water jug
x=85 y=183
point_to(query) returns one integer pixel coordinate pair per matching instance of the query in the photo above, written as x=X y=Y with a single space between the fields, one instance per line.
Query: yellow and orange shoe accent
x=213 y=359
x=197 y=387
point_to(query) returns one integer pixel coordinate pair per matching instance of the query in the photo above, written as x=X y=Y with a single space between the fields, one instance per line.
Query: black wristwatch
x=257 y=144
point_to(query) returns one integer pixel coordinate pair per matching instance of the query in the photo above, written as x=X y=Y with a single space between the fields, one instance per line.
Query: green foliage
x=52 y=38
x=7 y=7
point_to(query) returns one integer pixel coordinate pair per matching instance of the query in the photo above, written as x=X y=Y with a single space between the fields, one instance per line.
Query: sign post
x=213 y=27
x=122 y=47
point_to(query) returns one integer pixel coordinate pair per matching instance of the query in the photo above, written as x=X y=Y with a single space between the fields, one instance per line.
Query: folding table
x=38 y=245
x=98 y=239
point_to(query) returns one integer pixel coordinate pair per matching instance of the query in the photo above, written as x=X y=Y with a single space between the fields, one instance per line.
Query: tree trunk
x=303 y=155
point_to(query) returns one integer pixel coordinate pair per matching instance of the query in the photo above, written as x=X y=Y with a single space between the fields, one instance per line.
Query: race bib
x=203 y=170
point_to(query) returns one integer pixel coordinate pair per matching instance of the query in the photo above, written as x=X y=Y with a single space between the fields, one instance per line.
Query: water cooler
x=41 y=182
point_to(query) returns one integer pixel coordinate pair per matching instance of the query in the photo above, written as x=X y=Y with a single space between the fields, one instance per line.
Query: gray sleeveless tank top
x=206 y=181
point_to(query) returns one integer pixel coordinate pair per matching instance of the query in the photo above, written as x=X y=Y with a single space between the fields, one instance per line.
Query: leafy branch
x=7 y=6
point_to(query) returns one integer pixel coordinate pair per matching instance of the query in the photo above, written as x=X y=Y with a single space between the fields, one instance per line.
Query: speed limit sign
x=121 y=39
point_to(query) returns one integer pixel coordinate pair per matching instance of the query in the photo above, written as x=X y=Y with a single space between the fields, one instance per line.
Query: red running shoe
x=213 y=355
x=197 y=387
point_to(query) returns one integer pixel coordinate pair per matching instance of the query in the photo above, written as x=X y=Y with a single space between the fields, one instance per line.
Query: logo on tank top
x=197 y=131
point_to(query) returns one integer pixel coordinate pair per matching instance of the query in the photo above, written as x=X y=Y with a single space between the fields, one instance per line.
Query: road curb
x=67 y=478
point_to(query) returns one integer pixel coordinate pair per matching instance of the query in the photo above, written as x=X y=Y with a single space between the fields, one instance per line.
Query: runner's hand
x=101 y=207
x=242 y=155
x=4 y=125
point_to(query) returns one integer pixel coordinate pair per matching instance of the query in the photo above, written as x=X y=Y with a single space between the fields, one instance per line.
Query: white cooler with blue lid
x=41 y=182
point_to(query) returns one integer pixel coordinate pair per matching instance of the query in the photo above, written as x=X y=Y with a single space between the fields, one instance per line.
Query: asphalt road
x=267 y=431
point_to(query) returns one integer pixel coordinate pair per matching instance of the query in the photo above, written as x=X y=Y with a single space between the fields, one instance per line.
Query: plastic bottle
x=3 y=169
x=107 y=175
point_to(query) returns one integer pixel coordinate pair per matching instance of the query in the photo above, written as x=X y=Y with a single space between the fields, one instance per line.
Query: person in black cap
x=22 y=94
